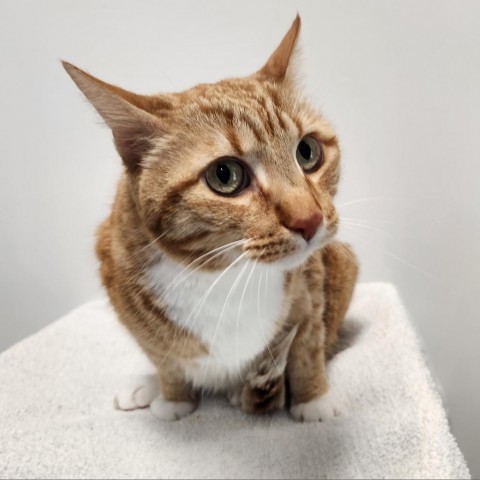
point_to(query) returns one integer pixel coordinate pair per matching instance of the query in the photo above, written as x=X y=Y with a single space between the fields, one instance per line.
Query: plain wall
x=400 y=82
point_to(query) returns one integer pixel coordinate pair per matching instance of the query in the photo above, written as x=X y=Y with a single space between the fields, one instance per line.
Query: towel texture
x=58 y=420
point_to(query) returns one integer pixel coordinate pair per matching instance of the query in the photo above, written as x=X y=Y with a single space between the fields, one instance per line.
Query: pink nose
x=306 y=227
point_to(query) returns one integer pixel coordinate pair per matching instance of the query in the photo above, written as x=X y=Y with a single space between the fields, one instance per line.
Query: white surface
x=58 y=419
x=399 y=80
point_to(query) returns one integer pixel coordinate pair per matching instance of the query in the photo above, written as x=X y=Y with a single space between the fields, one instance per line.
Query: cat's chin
x=305 y=251
x=297 y=259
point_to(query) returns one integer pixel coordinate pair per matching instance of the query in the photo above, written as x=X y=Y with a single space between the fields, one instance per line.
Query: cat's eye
x=227 y=176
x=309 y=154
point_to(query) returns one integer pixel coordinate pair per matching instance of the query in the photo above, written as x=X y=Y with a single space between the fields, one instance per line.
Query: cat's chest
x=234 y=313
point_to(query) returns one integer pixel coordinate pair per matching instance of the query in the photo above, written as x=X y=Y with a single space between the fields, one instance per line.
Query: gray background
x=400 y=81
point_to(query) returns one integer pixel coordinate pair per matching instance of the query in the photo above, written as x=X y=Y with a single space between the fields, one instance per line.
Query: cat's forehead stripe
x=232 y=116
x=260 y=114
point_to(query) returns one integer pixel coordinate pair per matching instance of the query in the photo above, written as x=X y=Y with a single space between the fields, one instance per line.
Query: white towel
x=58 y=421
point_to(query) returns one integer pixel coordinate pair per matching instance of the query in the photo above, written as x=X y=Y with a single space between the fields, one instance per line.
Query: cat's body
x=225 y=270
x=233 y=318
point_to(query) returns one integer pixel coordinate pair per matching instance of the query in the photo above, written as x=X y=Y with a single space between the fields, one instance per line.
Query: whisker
x=388 y=222
x=238 y=316
x=262 y=330
x=220 y=251
x=156 y=239
x=363 y=200
x=227 y=300
x=401 y=260
x=204 y=298
x=342 y=249
x=360 y=224
x=199 y=305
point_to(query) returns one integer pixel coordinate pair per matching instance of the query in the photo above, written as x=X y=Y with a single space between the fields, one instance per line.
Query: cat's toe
x=170 y=411
x=137 y=397
x=321 y=408
x=144 y=395
x=124 y=401
x=235 y=397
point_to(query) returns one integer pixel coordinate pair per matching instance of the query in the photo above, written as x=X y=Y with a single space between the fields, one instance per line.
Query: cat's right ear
x=280 y=67
x=126 y=113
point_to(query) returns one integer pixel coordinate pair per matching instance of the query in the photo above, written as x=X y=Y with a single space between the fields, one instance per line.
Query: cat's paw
x=321 y=408
x=139 y=394
x=265 y=397
x=170 y=411
x=135 y=398
x=235 y=397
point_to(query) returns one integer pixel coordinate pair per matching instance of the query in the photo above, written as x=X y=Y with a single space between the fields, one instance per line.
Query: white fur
x=165 y=410
x=305 y=249
x=321 y=408
x=148 y=394
x=234 y=318
x=262 y=177
x=139 y=396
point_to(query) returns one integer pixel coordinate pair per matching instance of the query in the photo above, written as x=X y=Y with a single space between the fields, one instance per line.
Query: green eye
x=309 y=154
x=226 y=176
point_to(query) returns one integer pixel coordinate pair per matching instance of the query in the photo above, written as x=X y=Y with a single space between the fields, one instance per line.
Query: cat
x=219 y=253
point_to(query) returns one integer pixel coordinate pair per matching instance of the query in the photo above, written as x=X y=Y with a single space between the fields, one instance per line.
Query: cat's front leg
x=176 y=398
x=138 y=395
x=310 y=398
x=167 y=394
x=263 y=387
x=259 y=393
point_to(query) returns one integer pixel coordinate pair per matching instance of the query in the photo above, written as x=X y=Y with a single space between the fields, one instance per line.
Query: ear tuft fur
x=124 y=112
x=281 y=64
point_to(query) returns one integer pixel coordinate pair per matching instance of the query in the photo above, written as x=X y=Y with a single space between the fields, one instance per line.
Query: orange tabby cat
x=218 y=255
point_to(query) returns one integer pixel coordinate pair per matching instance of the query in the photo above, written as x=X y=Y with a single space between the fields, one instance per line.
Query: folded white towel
x=58 y=420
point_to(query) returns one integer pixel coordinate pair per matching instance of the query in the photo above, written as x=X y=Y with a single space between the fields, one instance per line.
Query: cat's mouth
x=288 y=253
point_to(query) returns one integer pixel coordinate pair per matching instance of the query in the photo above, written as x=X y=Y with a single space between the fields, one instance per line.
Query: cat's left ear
x=281 y=64
x=128 y=114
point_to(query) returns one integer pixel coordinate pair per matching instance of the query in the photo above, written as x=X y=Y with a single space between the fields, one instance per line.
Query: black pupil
x=305 y=150
x=223 y=173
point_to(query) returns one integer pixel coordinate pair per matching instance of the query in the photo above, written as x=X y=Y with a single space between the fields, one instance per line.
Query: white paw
x=234 y=397
x=170 y=411
x=319 y=409
x=139 y=397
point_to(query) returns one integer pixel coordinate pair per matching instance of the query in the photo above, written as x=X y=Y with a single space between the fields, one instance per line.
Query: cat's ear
x=281 y=64
x=126 y=113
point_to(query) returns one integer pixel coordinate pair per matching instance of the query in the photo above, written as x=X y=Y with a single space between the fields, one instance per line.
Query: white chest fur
x=233 y=312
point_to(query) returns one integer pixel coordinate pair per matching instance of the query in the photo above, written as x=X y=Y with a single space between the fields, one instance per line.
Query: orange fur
x=164 y=209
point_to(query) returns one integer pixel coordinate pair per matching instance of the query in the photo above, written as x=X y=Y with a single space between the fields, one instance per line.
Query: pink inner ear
x=126 y=113
x=277 y=64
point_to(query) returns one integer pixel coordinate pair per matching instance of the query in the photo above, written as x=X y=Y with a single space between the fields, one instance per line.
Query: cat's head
x=245 y=160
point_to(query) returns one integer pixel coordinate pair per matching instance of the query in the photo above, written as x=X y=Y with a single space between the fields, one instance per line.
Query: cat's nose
x=306 y=227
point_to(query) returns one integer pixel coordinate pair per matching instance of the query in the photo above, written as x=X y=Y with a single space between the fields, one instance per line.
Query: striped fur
x=161 y=248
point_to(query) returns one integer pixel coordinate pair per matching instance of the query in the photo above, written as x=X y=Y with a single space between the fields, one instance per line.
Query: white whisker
x=238 y=316
x=360 y=224
x=399 y=259
x=262 y=330
x=225 y=303
x=219 y=251
x=365 y=199
x=156 y=239
x=198 y=307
